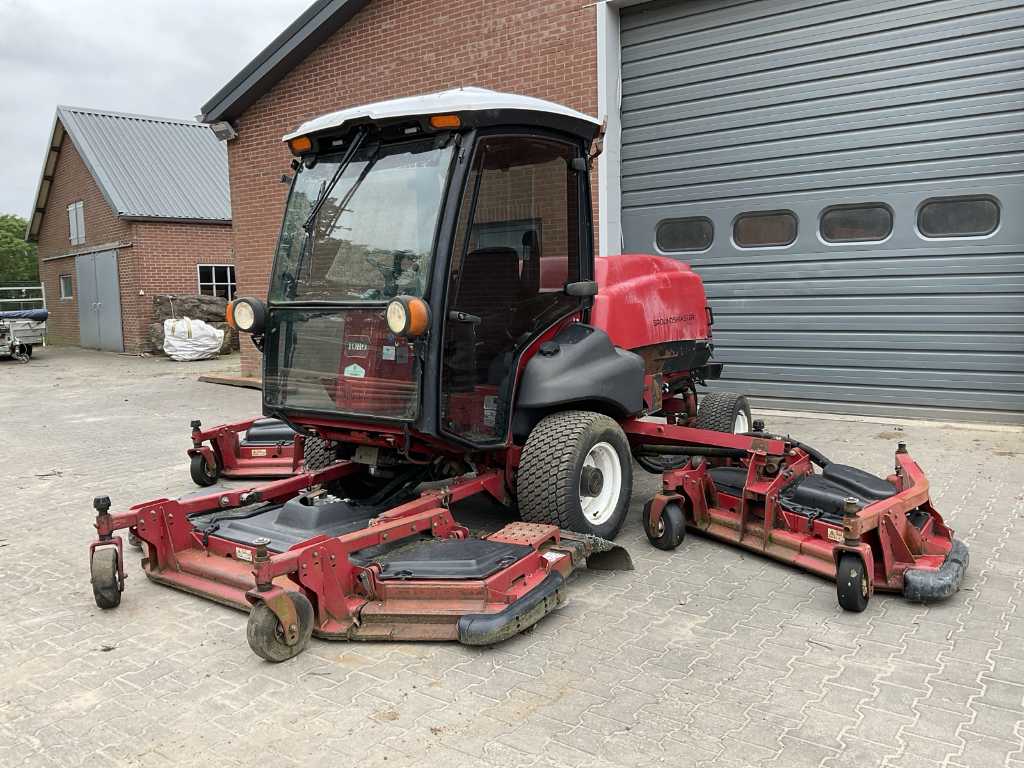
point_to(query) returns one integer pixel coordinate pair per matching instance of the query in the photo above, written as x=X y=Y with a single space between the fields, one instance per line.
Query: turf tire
x=718 y=411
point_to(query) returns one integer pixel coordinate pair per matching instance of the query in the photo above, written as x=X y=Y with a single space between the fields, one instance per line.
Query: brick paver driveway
x=704 y=656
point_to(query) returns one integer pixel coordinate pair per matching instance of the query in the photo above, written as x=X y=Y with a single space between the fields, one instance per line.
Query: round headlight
x=247 y=315
x=398 y=316
x=245 y=318
x=408 y=316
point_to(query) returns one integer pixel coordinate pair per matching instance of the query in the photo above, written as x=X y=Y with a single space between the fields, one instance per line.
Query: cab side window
x=516 y=246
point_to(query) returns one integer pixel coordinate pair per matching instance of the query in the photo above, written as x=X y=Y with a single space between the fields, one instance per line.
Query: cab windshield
x=373 y=234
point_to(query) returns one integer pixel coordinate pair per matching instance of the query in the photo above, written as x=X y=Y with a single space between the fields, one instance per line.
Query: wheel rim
x=599 y=509
x=741 y=424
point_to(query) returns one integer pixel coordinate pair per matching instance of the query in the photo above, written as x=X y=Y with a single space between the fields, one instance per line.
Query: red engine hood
x=644 y=300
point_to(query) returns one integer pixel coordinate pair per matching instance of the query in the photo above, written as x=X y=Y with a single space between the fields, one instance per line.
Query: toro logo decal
x=357 y=346
x=674 y=319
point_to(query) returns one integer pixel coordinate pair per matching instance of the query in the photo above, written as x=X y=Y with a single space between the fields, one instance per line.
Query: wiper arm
x=325 y=192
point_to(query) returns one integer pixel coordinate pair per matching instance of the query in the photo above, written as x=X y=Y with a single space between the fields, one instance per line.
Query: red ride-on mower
x=436 y=314
x=253 y=449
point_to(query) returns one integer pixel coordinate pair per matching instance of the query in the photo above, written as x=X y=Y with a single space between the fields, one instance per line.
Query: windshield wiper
x=325 y=191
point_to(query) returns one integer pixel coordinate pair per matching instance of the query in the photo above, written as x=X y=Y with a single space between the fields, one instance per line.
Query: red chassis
x=350 y=600
x=223 y=451
x=895 y=544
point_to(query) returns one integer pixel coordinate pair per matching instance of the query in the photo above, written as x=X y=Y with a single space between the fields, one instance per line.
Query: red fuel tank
x=644 y=300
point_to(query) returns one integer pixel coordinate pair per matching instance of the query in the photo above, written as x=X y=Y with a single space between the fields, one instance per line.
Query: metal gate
x=847 y=177
x=99 y=301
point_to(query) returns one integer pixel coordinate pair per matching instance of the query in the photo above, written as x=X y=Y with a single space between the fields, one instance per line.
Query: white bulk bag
x=186 y=339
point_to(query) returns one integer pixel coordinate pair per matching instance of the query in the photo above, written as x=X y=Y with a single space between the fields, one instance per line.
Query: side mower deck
x=304 y=562
x=252 y=449
x=763 y=494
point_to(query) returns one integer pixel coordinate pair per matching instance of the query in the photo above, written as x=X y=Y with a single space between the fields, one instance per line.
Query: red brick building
x=128 y=207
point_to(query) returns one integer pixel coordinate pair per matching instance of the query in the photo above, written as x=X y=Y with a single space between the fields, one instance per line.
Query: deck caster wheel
x=106 y=581
x=671 y=528
x=852 y=583
x=202 y=473
x=266 y=636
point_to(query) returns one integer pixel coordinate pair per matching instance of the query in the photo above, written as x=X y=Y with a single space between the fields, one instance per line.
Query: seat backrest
x=489 y=281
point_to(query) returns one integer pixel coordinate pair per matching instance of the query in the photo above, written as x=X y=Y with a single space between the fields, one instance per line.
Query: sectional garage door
x=848 y=178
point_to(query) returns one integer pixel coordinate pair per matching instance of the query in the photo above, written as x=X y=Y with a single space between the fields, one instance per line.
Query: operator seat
x=490 y=288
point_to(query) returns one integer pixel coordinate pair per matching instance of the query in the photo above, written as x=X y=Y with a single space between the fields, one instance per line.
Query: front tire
x=576 y=472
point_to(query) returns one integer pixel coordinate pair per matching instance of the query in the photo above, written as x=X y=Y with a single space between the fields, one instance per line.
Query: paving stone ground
x=706 y=656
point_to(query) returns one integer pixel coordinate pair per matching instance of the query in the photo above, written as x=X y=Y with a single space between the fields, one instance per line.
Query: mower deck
x=762 y=494
x=409 y=572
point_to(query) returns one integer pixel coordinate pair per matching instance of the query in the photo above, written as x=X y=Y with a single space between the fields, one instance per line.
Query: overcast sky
x=151 y=57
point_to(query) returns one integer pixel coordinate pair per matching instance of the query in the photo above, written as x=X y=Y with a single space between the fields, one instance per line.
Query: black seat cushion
x=269 y=431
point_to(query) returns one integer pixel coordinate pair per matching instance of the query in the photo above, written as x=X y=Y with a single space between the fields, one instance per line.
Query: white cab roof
x=466 y=99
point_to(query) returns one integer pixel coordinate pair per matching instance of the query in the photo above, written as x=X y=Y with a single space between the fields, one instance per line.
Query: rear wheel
x=724 y=412
x=106 y=581
x=575 y=472
x=202 y=473
x=266 y=636
x=852 y=583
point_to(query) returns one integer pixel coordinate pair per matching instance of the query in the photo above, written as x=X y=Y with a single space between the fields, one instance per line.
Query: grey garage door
x=848 y=178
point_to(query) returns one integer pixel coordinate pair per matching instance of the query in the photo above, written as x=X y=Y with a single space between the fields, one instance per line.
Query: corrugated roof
x=146 y=167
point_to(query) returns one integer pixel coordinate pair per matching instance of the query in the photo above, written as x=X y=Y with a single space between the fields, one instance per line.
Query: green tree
x=17 y=257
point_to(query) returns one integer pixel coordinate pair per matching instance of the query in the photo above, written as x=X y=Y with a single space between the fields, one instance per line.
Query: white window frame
x=76 y=223
x=70 y=294
x=232 y=282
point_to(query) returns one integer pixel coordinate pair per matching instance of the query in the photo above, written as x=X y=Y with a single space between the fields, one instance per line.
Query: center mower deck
x=304 y=562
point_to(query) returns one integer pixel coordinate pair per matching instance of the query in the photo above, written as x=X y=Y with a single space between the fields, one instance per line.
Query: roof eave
x=316 y=24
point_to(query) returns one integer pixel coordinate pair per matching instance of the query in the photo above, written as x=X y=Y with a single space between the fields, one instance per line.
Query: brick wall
x=153 y=257
x=392 y=48
x=72 y=182
x=163 y=259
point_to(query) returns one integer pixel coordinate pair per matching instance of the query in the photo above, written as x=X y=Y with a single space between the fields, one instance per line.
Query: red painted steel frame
x=880 y=533
x=235 y=460
x=350 y=601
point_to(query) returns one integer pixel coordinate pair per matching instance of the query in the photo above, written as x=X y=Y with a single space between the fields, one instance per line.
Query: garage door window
x=958 y=217
x=760 y=229
x=856 y=223
x=217 y=280
x=690 y=234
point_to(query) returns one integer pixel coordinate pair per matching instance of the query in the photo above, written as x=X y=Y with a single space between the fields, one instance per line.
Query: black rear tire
x=551 y=472
x=723 y=412
x=266 y=635
x=106 y=581
x=671 y=529
x=852 y=583
x=202 y=473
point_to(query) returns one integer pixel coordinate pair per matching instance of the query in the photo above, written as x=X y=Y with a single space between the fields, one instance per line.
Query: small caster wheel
x=106 y=581
x=671 y=528
x=202 y=473
x=266 y=636
x=852 y=583
x=134 y=540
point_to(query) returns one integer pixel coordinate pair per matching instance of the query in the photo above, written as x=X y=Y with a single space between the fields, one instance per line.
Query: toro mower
x=437 y=317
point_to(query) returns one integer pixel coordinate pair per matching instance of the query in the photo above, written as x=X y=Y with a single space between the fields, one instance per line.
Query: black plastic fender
x=581 y=365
